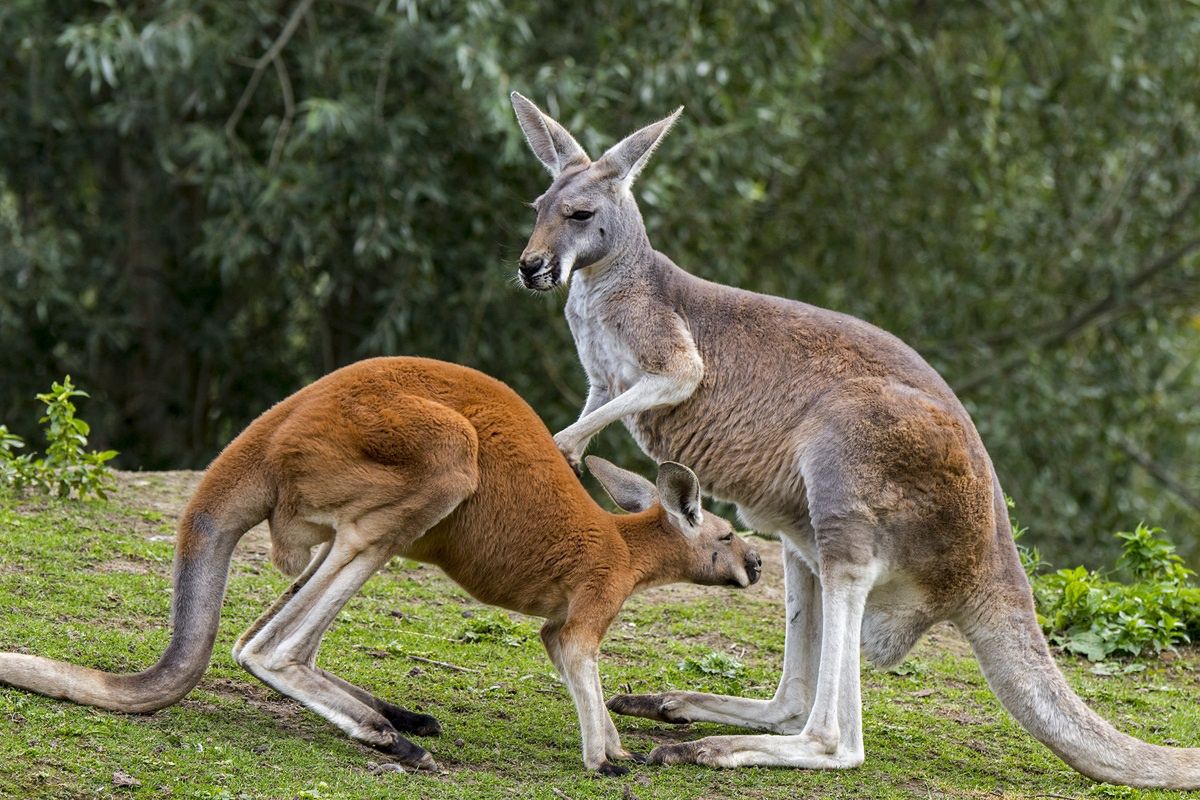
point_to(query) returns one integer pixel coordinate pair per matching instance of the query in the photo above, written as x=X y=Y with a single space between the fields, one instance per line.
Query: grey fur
x=840 y=437
x=550 y=142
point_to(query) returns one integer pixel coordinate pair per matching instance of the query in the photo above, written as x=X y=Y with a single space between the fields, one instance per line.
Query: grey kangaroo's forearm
x=597 y=396
x=651 y=391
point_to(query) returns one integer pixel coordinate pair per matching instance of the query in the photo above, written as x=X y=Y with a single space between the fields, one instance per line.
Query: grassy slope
x=89 y=583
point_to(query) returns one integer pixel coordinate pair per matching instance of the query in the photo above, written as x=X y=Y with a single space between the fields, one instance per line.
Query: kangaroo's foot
x=611 y=770
x=800 y=751
x=407 y=721
x=408 y=754
x=662 y=707
x=402 y=719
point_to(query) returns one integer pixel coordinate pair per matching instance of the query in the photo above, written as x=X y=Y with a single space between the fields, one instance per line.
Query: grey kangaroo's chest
x=735 y=431
x=605 y=332
x=609 y=361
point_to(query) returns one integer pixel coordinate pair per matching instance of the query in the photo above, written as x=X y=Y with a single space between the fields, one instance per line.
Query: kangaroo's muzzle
x=538 y=272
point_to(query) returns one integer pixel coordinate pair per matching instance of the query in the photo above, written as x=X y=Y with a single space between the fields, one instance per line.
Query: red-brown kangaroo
x=433 y=462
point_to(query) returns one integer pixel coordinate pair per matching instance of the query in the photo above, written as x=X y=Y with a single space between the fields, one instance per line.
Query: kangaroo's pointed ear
x=548 y=140
x=630 y=491
x=625 y=159
x=679 y=489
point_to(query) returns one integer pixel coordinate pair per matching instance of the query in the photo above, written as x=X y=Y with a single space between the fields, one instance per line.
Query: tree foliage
x=205 y=204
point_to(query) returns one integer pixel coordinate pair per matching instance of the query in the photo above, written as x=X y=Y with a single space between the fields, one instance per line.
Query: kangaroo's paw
x=572 y=451
x=661 y=707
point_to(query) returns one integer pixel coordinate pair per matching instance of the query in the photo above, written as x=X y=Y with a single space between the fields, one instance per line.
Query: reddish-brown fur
x=412 y=457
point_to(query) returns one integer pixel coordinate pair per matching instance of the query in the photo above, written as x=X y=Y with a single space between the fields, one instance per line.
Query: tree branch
x=264 y=61
x=1115 y=301
x=1003 y=337
x=1159 y=473
x=289 y=113
x=385 y=66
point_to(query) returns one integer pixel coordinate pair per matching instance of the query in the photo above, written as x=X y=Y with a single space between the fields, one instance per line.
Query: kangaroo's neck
x=656 y=556
x=633 y=256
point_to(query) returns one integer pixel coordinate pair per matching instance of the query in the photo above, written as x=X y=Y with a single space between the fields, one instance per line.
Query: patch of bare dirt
x=260 y=698
x=125 y=565
x=165 y=494
x=944 y=638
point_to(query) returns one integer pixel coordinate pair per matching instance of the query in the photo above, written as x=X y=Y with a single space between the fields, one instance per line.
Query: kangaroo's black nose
x=753 y=566
x=531 y=264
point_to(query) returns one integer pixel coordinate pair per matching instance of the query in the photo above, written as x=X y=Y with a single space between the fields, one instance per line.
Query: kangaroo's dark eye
x=581 y=215
x=727 y=538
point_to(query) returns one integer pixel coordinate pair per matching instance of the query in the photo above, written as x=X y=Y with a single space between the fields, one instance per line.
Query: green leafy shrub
x=67 y=467
x=13 y=468
x=1150 y=558
x=1087 y=612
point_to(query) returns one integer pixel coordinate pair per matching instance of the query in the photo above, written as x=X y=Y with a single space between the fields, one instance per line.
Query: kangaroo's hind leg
x=391 y=505
x=787 y=711
x=832 y=735
x=283 y=651
x=401 y=719
x=279 y=653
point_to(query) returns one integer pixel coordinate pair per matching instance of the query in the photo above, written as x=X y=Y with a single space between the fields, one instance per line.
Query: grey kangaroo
x=829 y=431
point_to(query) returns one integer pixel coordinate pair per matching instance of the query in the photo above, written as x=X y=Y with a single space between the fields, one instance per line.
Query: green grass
x=85 y=582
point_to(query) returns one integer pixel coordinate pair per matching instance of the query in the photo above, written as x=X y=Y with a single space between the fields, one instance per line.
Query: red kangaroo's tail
x=234 y=496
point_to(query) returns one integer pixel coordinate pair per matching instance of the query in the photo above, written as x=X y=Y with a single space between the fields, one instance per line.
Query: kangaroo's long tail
x=233 y=497
x=1012 y=652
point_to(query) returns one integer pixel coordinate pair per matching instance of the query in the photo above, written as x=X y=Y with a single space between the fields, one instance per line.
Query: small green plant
x=714 y=663
x=1149 y=557
x=1031 y=557
x=912 y=667
x=1087 y=612
x=67 y=467
x=493 y=626
x=13 y=468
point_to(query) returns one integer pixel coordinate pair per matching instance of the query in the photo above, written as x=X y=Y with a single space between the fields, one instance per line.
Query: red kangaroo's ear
x=679 y=489
x=630 y=491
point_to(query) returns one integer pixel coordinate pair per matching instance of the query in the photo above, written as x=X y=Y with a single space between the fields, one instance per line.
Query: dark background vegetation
x=205 y=204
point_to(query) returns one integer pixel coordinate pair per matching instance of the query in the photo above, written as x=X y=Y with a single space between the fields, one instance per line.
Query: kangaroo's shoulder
x=725 y=319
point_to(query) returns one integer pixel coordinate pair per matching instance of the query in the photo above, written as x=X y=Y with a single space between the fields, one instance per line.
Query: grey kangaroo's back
x=771 y=365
